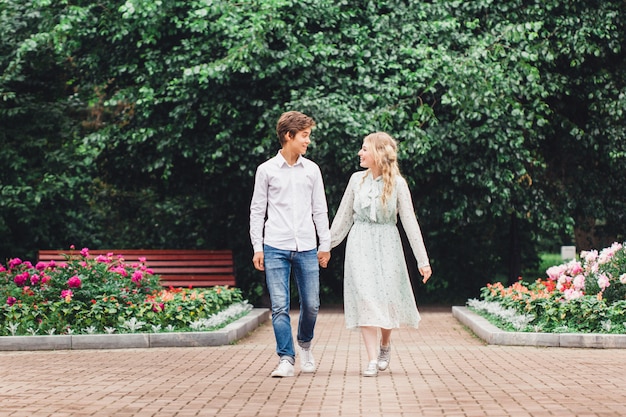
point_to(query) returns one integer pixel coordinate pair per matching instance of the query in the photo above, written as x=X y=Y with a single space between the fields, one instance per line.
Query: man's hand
x=323 y=258
x=257 y=260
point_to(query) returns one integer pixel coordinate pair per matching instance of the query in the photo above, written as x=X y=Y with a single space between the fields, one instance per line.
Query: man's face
x=300 y=142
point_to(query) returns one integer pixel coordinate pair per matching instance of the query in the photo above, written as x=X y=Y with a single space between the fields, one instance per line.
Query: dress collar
x=371 y=194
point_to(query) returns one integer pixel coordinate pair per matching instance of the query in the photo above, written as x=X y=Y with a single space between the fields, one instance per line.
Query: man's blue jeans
x=278 y=267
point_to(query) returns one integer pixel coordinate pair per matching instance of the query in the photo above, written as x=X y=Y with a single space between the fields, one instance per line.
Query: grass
x=546 y=261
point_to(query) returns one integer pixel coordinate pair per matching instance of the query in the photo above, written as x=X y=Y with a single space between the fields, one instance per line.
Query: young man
x=288 y=217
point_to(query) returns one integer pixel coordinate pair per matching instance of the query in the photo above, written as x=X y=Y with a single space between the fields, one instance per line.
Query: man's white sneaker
x=284 y=368
x=307 y=362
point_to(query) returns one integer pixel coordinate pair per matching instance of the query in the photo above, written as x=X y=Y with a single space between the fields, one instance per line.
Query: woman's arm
x=345 y=215
x=410 y=224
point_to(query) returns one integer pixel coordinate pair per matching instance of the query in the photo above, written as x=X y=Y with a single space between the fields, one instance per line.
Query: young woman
x=377 y=290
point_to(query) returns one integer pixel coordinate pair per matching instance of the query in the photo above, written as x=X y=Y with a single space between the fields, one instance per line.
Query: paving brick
x=439 y=370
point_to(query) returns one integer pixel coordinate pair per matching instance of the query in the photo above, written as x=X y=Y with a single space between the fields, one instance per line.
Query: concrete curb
x=229 y=334
x=492 y=335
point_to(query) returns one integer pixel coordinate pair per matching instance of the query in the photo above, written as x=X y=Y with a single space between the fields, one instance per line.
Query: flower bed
x=105 y=294
x=586 y=295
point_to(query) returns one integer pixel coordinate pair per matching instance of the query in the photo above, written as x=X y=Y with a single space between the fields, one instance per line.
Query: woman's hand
x=426 y=272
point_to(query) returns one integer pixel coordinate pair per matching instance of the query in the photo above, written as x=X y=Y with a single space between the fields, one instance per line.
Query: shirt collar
x=282 y=161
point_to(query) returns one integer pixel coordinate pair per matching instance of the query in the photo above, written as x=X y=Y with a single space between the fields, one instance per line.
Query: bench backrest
x=176 y=267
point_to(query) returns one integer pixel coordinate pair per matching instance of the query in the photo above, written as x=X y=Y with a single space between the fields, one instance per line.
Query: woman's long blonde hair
x=385 y=152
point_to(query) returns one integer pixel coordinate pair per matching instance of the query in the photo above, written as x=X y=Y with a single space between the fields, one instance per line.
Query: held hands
x=323 y=258
x=426 y=272
x=257 y=260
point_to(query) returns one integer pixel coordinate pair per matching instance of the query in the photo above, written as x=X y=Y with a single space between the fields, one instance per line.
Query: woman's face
x=366 y=157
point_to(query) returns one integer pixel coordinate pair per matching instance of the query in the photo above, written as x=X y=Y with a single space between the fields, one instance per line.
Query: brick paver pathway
x=439 y=370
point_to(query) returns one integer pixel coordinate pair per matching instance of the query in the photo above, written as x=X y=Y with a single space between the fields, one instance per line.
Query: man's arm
x=258 y=210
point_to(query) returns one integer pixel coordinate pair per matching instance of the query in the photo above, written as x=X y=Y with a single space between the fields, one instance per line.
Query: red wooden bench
x=175 y=267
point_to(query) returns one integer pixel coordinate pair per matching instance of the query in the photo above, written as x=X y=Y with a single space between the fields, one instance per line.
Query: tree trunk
x=515 y=251
x=588 y=235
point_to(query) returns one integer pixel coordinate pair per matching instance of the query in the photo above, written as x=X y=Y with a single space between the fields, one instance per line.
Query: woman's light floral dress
x=377 y=288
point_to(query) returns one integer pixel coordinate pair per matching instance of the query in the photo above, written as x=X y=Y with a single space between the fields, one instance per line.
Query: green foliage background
x=140 y=123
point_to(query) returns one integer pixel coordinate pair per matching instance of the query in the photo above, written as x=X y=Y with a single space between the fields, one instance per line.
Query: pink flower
x=103 y=259
x=45 y=279
x=137 y=276
x=574 y=268
x=40 y=266
x=579 y=282
x=14 y=262
x=607 y=253
x=67 y=295
x=84 y=252
x=589 y=256
x=21 y=279
x=622 y=278
x=11 y=300
x=2 y=268
x=120 y=270
x=603 y=282
x=34 y=280
x=571 y=294
x=555 y=272
x=74 y=282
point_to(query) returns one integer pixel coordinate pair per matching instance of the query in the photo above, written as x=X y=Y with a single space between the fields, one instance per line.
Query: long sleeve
x=345 y=216
x=410 y=224
x=258 y=210
x=320 y=213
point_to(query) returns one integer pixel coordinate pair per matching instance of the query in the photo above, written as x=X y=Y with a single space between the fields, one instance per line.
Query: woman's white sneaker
x=384 y=356
x=371 y=370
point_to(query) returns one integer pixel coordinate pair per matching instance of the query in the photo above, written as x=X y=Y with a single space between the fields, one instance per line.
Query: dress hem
x=402 y=326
